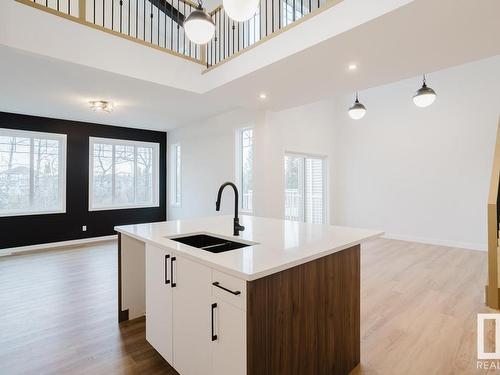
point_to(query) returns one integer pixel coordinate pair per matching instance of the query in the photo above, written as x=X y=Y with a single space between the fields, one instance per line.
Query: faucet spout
x=236 y=221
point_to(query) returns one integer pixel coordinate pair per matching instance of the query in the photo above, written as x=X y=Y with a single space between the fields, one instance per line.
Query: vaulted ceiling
x=423 y=36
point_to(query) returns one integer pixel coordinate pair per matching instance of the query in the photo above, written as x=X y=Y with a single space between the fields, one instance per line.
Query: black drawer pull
x=167 y=280
x=214 y=336
x=173 y=284
x=217 y=284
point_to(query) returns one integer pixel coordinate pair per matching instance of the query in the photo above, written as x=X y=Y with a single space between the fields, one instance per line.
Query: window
x=305 y=188
x=175 y=184
x=123 y=174
x=244 y=163
x=289 y=8
x=32 y=173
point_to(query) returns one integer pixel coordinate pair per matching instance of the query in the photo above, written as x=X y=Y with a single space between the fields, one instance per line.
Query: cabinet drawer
x=230 y=289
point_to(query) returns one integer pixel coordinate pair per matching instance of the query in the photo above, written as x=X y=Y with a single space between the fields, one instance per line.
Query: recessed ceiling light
x=352 y=67
x=101 y=106
x=263 y=96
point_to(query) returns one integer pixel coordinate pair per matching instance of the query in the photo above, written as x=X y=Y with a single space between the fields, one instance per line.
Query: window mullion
x=135 y=174
x=113 y=170
x=32 y=173
x=304 y=189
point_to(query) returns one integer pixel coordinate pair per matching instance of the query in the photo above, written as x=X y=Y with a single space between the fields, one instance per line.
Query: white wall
x=71 y=42
x=306 y=129
x=418 y=174
x=421 y=174
x=207 y=161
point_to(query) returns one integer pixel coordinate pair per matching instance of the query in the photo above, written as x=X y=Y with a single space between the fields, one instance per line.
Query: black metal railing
x=158 y=22
x=69 y=7
x=272 y=15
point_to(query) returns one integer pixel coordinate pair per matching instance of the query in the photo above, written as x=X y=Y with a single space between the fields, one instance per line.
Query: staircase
x=492 y=290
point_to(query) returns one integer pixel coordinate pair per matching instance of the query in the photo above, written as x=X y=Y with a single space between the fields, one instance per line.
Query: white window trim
x=325 y=179
x=173 y=176
x=123 y=142
x=62 y=169
x=239 y=166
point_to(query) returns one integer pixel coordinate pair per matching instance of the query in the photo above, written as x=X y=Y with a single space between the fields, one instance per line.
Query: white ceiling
x=424 y=36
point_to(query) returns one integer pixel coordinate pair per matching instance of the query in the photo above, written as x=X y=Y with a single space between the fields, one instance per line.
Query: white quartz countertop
x=280 y=244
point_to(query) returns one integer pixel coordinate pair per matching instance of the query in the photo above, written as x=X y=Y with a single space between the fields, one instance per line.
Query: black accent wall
x=38 y=229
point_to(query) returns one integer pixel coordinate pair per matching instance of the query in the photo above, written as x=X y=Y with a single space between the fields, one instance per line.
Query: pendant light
x=425 y=96
x=199 y=26
x=240 y=10
x=358 y=110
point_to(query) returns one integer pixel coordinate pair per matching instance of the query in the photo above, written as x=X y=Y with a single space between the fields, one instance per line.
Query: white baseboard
x=433 y=241
x=55 y=245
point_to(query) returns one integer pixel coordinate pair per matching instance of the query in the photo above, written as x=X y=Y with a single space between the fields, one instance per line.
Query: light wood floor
x=419 y=305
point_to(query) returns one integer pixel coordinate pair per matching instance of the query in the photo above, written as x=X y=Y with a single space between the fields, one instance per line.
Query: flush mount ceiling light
x=101 y=106
x=199 y=26
x=263 y=96
x=352 y=67
x=425 y=96
x=358 y=110
x=240 y=10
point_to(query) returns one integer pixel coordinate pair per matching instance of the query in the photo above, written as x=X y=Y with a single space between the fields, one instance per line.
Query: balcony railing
x=272 y=16
x=159 y=23
x=156 y=23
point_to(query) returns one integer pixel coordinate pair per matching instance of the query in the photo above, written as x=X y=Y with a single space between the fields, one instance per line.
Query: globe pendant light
x=240 y=10
x=199 y=26
x=425 y=96
x=358 y=110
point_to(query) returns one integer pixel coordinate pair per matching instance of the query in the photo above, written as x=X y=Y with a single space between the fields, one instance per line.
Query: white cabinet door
x=191 y=317
x=229 y=351
x=159 y=301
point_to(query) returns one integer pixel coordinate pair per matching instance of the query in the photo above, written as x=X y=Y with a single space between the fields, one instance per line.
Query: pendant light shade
x=358 y=110
x=199 y=26
x=240 y=10
x=425 y=96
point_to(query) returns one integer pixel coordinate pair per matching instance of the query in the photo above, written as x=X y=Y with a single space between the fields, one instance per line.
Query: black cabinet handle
x=214 y=336
x=173 y=284
x=167 y=281
x=217 y=284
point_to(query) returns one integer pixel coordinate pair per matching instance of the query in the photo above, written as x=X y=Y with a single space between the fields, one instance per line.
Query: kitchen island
x=286 y=302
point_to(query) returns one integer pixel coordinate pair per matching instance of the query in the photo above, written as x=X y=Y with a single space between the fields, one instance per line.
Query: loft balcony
x=159 y=23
